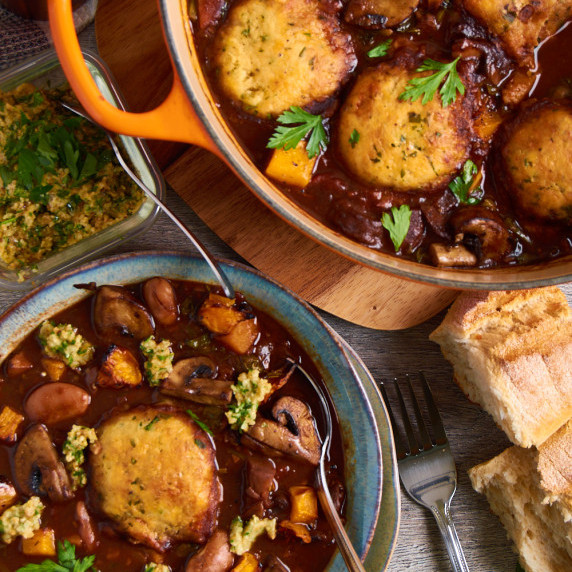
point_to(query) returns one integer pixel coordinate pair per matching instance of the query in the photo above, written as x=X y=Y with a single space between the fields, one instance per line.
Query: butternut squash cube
x=241 y=337
x=218 y=315
x=247 y=563
x=18 y=364
x=292 y=166
x=120 y=368
x=54 y=368
x=43 y=543
x=304 y=505
x=300 y=530
x=9 y=422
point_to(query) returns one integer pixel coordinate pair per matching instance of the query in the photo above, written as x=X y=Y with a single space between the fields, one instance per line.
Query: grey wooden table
x=474 y=437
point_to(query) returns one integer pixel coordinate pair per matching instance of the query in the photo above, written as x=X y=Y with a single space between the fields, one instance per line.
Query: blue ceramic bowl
x=372 y=512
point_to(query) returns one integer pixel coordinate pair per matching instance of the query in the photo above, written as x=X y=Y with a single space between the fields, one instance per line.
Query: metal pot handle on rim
x=173 y=120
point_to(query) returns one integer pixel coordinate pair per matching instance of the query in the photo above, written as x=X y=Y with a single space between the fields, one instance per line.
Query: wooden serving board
x=130 y=40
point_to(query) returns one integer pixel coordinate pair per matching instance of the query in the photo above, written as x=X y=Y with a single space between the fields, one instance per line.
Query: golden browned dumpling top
x=274 y=54
x=404 y=145
x=521 y=24
x=537 y=159
x=154 y=475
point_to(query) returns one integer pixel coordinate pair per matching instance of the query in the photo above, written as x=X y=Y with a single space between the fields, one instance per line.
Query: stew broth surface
x=188 y=338
x=336 y=197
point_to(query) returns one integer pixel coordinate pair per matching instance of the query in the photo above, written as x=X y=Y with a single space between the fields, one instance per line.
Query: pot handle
x=173 y=120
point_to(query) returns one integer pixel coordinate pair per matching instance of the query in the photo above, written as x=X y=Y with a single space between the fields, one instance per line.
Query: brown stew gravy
x=335 y=197
x=189 y=338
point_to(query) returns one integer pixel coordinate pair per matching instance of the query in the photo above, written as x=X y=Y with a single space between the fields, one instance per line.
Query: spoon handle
x=220 y=275
x=213 y=264
x=348 y=552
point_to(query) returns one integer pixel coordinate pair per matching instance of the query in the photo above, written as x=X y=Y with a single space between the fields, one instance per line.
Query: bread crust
x=511 y=353
x=538 y=527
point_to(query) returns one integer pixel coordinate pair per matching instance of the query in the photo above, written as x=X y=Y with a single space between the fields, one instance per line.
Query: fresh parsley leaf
x=6 y=174
x=30 y=172
x=380 y=50
x=89 y=167
x=354 y=138
x=149 y=425
x=461 y=185
x=301 y=124
x=71 y=156
x=67 y=561
x=196 y=419
x=397 y=224
x=47 y=155
x=39 y=194
x=427 y=86
x=74 y=122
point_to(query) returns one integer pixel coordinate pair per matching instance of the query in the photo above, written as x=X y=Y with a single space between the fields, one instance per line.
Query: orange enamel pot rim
x=189 y=114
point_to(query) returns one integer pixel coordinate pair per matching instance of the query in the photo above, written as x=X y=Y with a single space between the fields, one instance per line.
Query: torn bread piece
x=512 y=354
x=531 y=492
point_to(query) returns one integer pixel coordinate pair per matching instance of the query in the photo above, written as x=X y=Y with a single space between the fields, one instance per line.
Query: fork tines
x=420 y=440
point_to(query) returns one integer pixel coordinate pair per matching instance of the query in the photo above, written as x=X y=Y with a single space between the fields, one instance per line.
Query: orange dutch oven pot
x=190 y=115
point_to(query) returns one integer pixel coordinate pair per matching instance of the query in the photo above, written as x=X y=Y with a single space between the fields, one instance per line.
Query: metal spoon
x=213 y=264
x=343 y=541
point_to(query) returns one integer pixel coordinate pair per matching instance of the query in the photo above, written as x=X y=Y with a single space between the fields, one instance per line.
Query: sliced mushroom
x=192 y=379
x=214 y=556
x=161 y=299
x=455 y=255
x=293 y=433
x=117 y=315
x=86 y=527
x=482 y=231
x=261 y=472
x=37 y=469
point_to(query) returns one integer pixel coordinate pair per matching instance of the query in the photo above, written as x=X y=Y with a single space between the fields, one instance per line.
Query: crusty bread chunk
x=512 y=354
x=530 y=491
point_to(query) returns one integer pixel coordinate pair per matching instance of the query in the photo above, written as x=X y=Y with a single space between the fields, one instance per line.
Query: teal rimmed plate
x=372 y=509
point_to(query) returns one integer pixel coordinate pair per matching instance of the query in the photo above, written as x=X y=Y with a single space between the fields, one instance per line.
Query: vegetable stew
x=162 y=426
x=411 y=127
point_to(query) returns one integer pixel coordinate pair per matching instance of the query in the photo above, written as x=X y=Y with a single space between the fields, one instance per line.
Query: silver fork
x=426 y=469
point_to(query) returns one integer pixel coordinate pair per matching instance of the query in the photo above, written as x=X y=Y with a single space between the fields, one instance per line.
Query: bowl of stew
x=426 y=140
x=61 y=208
x=148 y=422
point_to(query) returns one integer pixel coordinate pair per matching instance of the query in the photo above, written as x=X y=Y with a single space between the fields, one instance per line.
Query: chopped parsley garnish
x=149 y=425
x=427 y=86
x=196 y=419
x=67 y=562
x=397 y=224
x=199 y=444
x=35 y=148
x=380 y=50
x=295 y=125
x=461 y=185
x=354 y=138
